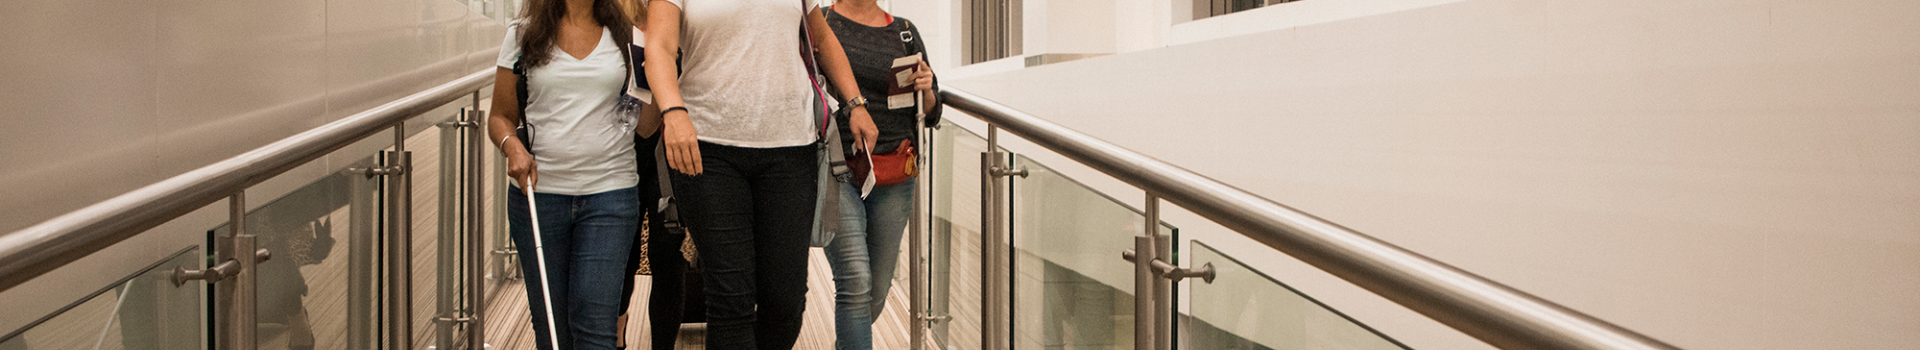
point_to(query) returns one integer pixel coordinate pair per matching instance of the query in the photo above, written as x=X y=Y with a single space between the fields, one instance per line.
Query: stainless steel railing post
x=446 y=314
x=476 y=236
x=917 y=244
x=363 y=261
x=240 y=313
x=399 y=301
x=989 y=160
x=992 y=245
x=1143 y=281
x=1162 y=287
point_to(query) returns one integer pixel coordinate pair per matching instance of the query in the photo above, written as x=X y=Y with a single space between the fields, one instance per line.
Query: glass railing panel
x=436 y=148
x=146 y=311
x=502 y=267
x=1246 y=309
x=499 y=269
x=321 y=289
x=1071 y=289
x=954 y=240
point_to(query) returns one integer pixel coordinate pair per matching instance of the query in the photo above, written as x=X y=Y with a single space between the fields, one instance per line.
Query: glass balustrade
x=1071 y=289
x=144 y=311
x=1246 y=309
x=323 y=288
x=955 y=237
x=437 y=222
x=331 y=242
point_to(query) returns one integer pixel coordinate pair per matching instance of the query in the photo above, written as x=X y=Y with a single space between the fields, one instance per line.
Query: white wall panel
x=1723 y=174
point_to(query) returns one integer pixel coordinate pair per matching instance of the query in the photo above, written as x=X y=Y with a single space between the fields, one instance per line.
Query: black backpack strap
x=669 y=209
x=524 y=130
x=626 y=58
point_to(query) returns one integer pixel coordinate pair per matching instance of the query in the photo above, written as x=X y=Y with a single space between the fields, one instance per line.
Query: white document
x=900 y=95
x=866 y=187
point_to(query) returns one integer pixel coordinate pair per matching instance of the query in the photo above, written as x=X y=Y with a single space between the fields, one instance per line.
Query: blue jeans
x=863 y=256
x=586 y=239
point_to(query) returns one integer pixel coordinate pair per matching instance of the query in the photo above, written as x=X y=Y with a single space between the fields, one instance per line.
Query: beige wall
x=1720 y=174
x=104 y=97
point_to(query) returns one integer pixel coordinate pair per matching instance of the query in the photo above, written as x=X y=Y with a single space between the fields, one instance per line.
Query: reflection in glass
x=1246 y=309
x=955 y=237
x=1071 y=289
x=434 y=147
x=147 y=311
x=313 y=284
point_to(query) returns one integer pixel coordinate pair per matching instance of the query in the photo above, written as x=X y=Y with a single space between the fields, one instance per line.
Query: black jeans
x=750 y=215
x=665 y=301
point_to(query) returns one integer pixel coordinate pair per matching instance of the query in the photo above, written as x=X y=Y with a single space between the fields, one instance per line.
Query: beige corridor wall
x=101 y=97
x=1720 y=174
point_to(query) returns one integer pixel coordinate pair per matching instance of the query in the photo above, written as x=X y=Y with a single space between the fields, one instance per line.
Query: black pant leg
x=665 y=302
x=649 y=193
x=783 y=202
x=717 y=206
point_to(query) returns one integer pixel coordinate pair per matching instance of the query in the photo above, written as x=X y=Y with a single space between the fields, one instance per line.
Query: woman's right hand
x=682 y=141
x=520 y=166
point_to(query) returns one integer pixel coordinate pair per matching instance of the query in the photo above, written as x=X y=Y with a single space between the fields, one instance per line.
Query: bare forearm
x=505 y=114
x=663 y=43
x=649 y=120
x=833 y=59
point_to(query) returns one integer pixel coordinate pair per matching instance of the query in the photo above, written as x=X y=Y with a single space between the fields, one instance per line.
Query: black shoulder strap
x=524 y=130
x=669 y=210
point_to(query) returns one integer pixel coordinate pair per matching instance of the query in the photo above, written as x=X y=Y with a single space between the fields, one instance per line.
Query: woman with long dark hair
x=568 y=60
x=740 y=134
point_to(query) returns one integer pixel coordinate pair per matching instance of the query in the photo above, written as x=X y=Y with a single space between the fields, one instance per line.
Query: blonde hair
x=636 y=10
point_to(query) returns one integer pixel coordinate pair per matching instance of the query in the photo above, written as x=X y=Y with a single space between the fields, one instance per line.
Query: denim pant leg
x=863 y=256
x=888 y=210
x=555 y=224
x=602 y=234
x=852 y=274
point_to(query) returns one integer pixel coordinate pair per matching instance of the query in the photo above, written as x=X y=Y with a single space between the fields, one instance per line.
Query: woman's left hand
x=923 y=77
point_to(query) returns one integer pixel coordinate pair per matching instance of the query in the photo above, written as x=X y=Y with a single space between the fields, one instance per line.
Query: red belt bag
x=892 y=168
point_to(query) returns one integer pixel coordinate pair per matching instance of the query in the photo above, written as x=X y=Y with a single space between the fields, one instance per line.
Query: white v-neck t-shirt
x=741 y=75
x=581 y=145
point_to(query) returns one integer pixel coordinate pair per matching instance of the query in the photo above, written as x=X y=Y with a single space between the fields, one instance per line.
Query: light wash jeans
x=586 y=240
x=863 y=256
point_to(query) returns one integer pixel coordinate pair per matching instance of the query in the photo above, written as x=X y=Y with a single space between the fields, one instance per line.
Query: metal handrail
x=1497 y=314
x=36 y=250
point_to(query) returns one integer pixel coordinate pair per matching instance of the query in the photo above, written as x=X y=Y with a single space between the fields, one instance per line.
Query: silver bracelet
x=503 y=142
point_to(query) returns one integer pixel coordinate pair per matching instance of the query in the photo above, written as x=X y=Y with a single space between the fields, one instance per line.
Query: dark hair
x=541 y=25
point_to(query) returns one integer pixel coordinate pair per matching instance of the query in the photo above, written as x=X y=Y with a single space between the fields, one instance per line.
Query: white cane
x=540 y=258
x=918 y=288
